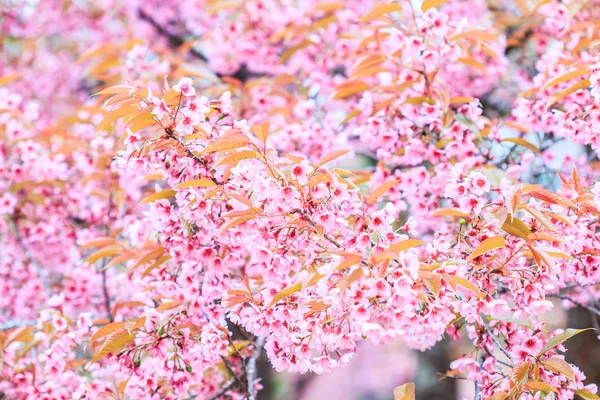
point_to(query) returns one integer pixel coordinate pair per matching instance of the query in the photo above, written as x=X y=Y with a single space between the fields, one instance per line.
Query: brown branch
x=172 y=135
x=251 y=368
x=313 y=223
x=591 y=309
x=37 y=267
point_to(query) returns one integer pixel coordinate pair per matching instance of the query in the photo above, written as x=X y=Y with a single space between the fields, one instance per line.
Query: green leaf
x=559 y=339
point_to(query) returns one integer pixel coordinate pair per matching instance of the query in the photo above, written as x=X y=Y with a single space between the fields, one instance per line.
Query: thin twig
x=191 y=154
x=495 y=339
x=223 y=390
x=312 y=222
x=37 y=267
x=251 y=368
x=562 y=297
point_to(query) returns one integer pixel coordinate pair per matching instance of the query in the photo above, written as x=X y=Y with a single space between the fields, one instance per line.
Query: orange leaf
x=286 y=293
x=235 y=157
x=227 y=142
x=494 y=242
x=405 y=392
x=202 y=182
x=582 y=84
x=163 y=194
x=331 y=156
x=471 y=62
x=381 y=9
x=113 y=343
x=567 y=77
x=405 y=245
x=538 y=386
x=378 y=192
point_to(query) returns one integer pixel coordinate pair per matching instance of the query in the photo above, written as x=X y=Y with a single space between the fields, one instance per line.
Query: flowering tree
x=204 y=207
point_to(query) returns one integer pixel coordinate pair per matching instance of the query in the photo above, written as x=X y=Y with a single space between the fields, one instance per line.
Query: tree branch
x=251 y=368
x=496 y=341
x=37 y=267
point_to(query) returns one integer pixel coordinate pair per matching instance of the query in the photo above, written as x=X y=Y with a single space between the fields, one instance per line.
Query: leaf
x=379 y=191
x=448 y=212
x=488 y=244
x=470 y=61
x=405 y=392
x=227 y=143
x=261 y=131
x=202 y=182
x=349 y=88
x=168 y=306
x=156 y=264
x=331 y=156
x=560 y=338
x=114 y=343
x=516 y=227
x=521 y=371
x=405 y=245
x=567 y=77
x=381 y=9
x=239 y=156
x=102 y=253
x=583 y=84
x=99 y=242
x=524 y=143
x=586 y=394
x=350 y=115
x=149 y=256
x=237 y=221
x=286 y=293
x=163 y=194
x=552 y=197
x=427 y=4
x=8 y=78
x=559 y=366
x=107 y=330
x=538 y=386
x=114 y=90
x=465 y=283
x=499 y=396
x=348 y=262
x=545 y=235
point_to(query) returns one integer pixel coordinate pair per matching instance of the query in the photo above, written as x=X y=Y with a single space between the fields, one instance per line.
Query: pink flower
x=7 y=203
x=185 y=87
x=300 y=172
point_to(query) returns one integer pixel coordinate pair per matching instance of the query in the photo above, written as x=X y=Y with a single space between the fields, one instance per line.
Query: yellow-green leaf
x=560 y=338
x=586 y=394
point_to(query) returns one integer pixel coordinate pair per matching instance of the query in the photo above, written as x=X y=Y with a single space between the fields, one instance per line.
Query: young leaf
x=586 y=394
x=449 y=212
x=379 y=191
x=239 y=156
x=202 y=182
x=107 y=330
x=227 y=143
x=466 y=284
x=560 y=338
x=582 y=84
x=559 y=366
x=405 y=392
x=538 y=386
x=113 y=343
x=405 y=245
x=286 y=293
x=331 y=156
x=427 y=4
x=163 y=194
x=487 y=245
x=386 y=8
